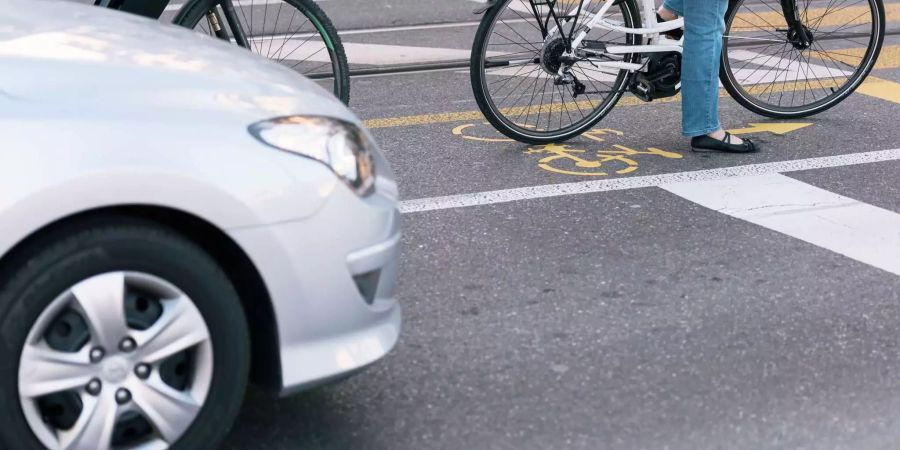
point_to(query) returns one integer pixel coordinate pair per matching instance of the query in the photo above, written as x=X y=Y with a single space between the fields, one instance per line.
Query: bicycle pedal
x=642 y=91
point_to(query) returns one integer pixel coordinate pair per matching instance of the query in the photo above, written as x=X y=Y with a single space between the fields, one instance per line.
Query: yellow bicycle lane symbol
x=565 y=156
x=570 y=160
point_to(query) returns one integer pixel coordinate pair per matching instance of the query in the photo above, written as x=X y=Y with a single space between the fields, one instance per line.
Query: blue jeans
x=704 y=25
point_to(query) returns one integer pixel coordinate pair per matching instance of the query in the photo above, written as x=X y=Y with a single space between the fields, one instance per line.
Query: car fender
x=219 y=174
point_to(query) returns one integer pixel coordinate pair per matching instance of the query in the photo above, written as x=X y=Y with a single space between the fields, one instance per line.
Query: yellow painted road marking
x=428 y=119
x=779 y=128
x=889 y=59
x=575 y=164
x=883 y=89
x=460 y=131
x=583 y=160
x=852 y=15
x=423 y=119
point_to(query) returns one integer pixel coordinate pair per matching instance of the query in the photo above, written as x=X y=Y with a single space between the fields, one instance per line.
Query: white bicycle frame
x=654 y=29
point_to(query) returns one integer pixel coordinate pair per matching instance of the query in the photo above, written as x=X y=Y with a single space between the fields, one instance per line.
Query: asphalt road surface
x=588 y=302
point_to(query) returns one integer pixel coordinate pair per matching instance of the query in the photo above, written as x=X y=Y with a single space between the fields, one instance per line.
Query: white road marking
x=857 y=230
x=381 y=29
x=377 y=54
x=237 y=4
x=586 y=187
x=784 y=70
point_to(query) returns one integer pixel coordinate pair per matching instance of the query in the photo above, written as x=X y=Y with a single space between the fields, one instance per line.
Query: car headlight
x=339 y=145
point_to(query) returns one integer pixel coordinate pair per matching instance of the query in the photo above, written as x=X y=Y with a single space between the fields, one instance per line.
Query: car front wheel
x=119 y=333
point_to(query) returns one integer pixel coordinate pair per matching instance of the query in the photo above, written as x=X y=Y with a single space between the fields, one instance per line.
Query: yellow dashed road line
x=822 y=17
x=883 y=89
x=888 y=59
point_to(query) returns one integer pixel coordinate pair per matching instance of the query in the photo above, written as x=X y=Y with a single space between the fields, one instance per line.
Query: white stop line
x=757 y=193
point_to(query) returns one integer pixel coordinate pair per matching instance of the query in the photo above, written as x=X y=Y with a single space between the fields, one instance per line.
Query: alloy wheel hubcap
x=122 y=359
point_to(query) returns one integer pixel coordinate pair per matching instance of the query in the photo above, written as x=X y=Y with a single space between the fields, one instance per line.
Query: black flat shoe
x=708 y=144
x=672 y=34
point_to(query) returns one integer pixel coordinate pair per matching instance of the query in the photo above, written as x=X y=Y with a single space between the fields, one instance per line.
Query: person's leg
x=704 y=27
x=671 y=9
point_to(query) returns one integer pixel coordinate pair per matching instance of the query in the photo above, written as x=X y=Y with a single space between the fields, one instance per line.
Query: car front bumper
x=332 y=318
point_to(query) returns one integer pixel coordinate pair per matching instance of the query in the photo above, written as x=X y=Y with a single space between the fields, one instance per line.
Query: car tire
x=44 y=268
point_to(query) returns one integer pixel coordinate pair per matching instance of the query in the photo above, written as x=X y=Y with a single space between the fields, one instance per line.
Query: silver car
x=176 y=215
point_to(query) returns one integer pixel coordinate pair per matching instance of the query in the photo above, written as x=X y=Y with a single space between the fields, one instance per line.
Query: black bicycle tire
x=737 y=92
x=193 y=11
x=477 y=79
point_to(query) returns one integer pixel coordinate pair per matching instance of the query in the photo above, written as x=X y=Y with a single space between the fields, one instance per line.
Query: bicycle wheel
x=296 y=33
x=515 y=63
x=768 y=70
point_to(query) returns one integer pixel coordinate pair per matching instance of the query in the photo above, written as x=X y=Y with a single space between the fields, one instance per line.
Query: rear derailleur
x=568 y=78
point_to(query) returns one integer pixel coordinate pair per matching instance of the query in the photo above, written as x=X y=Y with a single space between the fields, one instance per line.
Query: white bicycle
x=548 y=70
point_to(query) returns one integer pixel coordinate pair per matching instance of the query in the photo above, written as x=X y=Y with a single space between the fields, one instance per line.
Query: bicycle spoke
x=798 y=76
x=277 y=16
x=530 y=95
x=285 y=37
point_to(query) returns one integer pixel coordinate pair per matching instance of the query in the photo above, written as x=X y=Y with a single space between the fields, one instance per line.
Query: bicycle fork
x=798 y=34
x=215 y=24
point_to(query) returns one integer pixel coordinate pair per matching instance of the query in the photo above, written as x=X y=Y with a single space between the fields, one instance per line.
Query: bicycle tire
x=745 y=98
x=194 y=11
x=504 y=124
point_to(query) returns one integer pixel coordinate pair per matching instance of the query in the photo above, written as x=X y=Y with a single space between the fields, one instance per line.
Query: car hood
x=69 y=56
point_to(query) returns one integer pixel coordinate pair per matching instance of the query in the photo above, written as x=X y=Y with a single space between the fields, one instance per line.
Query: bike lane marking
x=616 y=184
x=881 y=88
x=605 y=152
x=581 y=159
x=857 y=230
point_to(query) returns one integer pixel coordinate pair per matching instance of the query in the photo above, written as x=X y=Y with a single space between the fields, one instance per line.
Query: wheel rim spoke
x=46 y=371
x=170 y=411
x=94 y=428
x=179 y=328
x=101 y=299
